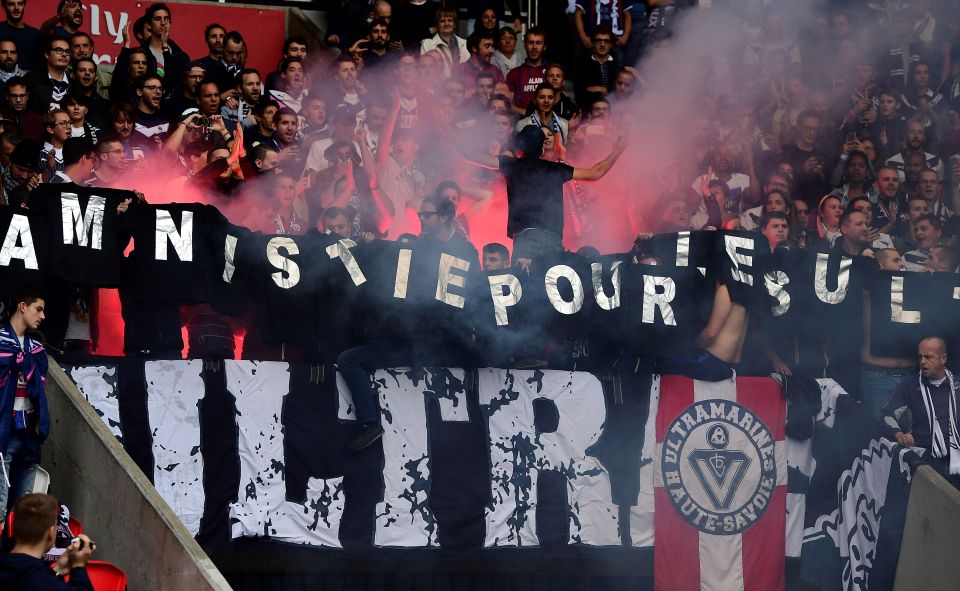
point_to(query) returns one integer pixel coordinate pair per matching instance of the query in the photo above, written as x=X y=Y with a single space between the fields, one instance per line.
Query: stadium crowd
x=835 y=128
x=832 y=129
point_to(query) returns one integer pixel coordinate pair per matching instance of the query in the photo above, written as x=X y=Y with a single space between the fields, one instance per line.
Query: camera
x=82 y=543
x=204 y=122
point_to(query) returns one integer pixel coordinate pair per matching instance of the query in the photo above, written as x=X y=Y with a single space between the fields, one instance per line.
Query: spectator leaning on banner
x=437 y=215
x=23 y=399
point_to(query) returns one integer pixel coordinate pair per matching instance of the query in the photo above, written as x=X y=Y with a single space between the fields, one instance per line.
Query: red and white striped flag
x=720 y=475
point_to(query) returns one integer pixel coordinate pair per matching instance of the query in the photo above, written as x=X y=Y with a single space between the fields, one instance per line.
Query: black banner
x=427 y=290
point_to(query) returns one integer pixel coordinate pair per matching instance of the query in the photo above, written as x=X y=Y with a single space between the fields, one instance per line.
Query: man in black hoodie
x=34 y=533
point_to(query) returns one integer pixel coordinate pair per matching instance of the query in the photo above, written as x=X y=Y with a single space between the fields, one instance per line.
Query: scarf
x=553 y=124
x=607 y=11
x=939 y=445
x=293 y=227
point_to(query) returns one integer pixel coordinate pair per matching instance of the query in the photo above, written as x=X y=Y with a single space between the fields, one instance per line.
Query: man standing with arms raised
x=535 y=191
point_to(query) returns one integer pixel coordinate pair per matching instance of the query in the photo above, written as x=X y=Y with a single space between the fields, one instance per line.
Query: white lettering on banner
x=897 y=313
x=447 y=278
x=683 y=248
x=718 y=464
x=84 y=228
x=174 y=391
x=600 y=295
x=182 y=241
x=551 y=280
x=98 y=384
x=774 y=282
x=288 y=275
x=825 y=295
x=402 y=280
x=18 y=244
x=654 y=298
x=519 y=452
x=229 y=257
x=734 y=245
x=341 y=250
x=501 y=300
x=262 y=508
x=404 y=517
x=641 y=523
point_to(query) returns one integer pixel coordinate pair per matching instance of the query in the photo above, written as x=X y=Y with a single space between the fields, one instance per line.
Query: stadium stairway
x=121 y=510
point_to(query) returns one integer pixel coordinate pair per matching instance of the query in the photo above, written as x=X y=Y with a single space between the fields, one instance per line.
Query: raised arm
x=367 y=159
x=386 y=138
x=175 y=139
x=469 y=150
x=598 y=170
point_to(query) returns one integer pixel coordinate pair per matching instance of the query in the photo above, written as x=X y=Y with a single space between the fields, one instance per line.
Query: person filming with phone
x=34 y=534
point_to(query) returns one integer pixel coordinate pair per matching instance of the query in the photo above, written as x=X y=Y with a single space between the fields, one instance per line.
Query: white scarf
x=939 y=446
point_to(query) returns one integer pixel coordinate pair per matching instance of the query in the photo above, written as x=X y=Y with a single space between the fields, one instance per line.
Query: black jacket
x=22 y=572
x=175 y=61
x=594 y=73
x=905 y=412
x=40 y=87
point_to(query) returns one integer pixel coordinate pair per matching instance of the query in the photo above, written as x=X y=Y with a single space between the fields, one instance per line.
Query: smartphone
x=595 y=130
x=305 y=175
x=137 y=153
x=732 y=206
x=851 y=136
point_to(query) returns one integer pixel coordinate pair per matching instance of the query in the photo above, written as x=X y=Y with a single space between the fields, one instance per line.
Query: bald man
x=889 y=259
x=922 y=411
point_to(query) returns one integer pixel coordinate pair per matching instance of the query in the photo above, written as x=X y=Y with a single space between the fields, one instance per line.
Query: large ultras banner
x=690 y=476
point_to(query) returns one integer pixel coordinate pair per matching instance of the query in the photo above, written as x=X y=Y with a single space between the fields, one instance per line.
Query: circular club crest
x=718 y=464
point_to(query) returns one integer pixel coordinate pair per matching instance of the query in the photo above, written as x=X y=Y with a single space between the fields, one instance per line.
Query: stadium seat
x=76 y=528
x=105 y=576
